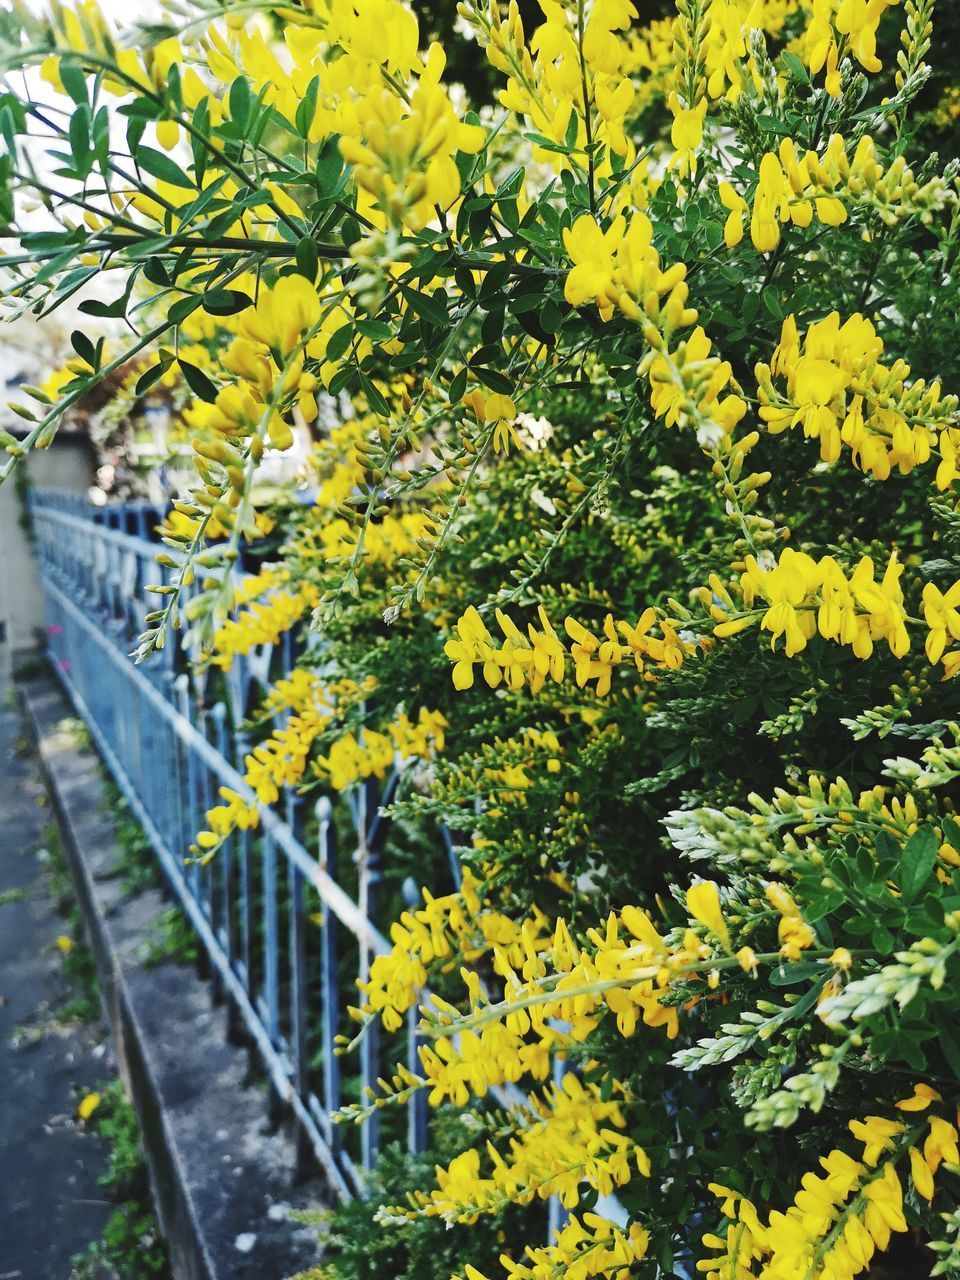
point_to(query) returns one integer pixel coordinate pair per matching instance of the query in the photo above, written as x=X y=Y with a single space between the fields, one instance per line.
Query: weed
x=130 y=1246
x=172 y=938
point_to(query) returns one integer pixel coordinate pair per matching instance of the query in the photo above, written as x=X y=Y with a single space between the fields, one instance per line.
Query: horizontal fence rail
x=286 y=914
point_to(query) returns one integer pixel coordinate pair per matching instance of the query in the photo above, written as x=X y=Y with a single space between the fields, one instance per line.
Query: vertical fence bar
x=417 y=1129
x=368 y=859
x=329 y=992
x=298 y=1003
x=271 y=965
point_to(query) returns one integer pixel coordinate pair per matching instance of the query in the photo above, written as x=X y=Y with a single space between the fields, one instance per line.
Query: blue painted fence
x=286 y=925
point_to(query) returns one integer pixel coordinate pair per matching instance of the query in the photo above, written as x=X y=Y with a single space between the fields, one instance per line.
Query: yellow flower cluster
x=541 y=654
x=262 y=621
x=840 y=394
x=836 y=28
x=941 y=611
x=840 y=1218
x=403 y=148
x=805 y=597
x=567 y=1137
x=310 y=705
x=793 y=188
x=587 y=1245
x=620 y=268
x=626 y=968
x=373 y=753
x=457 y=925
x=569 y=81
x=384 y=543
x=712 y=58
x=396 y=122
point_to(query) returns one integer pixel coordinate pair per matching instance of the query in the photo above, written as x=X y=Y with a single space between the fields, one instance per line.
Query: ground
x=51 y=1207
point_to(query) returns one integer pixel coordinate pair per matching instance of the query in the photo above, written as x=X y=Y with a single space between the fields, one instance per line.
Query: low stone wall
x=222 y=1175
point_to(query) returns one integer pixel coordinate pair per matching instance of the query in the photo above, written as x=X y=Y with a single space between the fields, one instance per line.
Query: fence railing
x=287 y=914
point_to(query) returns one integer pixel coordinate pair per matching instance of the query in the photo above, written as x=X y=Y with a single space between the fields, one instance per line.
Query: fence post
x=368 y=859
x=329 y=986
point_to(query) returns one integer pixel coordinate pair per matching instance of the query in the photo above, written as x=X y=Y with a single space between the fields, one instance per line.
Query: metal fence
x=286 y=915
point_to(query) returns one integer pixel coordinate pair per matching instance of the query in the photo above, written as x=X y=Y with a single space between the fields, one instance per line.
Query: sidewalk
x=50 y=1205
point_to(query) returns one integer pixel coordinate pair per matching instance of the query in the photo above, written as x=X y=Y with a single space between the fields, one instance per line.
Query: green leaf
x=339 y=343
x=107 y=310
x=84 y=348
x=241 y=102
x=201 y=127
x=430 y=307
x=307 y=108
x=492 y=379
x=147 y=379
x=330 y=173
x=308 y=260
x=197 y=381
x=795 y=68
x=80 y=135
x=161 y=166
x=374 y=397
x=458 y=386
x=917 y=862
x=375 y=330
x=788 y=975
x=74 y=81
x=182 y=308
x=225 y=302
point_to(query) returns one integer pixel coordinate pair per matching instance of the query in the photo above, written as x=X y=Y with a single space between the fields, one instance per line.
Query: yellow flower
x=64 y=944
x=592 y=251
x=686 y=132
x=472 y=644
x=942 y=613
x=923 y=1095
x=703 y=903
x=921 y=1174
x=941 y=1144
x=877 y=1134
x=88 y=1105
x=733 y=227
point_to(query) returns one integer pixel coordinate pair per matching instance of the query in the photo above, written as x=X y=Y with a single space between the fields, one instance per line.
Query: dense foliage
x=635 y=452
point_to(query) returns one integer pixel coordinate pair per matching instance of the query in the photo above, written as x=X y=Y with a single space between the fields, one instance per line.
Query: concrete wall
x=67 y=464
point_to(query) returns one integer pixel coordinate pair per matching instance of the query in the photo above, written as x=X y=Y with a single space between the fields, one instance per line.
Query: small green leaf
x=375 y=330
x=198 y=144
x=182 y=308
x=74 y=81
x=84 y=348
x=147 y=379
x=198 y=382
x=225 y=302
x=795 y=68
x=339 y=343
x=307 y=108
x=161 y=166
x=374 y=397
x=329 y=174
x=308 y=260
x=458 y=386
x=917 y=862
x=80 y=135
x=241 y=102
x=493 y=379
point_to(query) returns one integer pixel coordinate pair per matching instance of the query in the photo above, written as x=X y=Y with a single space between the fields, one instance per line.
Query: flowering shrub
x=636 y=538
